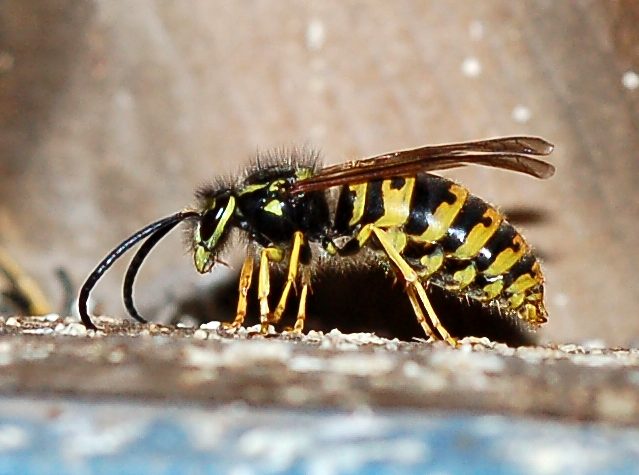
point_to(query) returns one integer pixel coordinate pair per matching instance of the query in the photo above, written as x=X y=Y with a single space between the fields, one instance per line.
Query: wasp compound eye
x=208 y=223
x=213 y=228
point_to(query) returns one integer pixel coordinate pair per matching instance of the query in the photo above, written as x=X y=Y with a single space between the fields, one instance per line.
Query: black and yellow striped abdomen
x=451 y=238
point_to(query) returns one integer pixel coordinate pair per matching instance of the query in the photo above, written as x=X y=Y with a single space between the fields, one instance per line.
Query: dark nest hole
x=362 y=301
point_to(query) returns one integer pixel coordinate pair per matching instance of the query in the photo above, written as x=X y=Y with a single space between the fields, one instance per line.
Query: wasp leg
x=412 y=280
x=298 y=239
x=419 y=313
x=301 y=312
x=24 y=286
x=246 y=275
x=264 y=285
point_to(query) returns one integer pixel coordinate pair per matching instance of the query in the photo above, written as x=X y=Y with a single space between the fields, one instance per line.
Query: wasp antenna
x=114 y=255
x=136 y=263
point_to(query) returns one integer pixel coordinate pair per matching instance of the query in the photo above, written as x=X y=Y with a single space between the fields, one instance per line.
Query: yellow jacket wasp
x=426 y=229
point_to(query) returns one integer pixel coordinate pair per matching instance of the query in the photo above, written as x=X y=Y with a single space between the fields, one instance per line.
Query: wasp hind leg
x=419 y=313
x=416 y=291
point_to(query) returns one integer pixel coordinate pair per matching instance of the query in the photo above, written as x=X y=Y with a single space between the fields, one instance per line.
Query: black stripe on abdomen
x=521 y=267
x=429 y=192
x=470 y=216
x=498 y=242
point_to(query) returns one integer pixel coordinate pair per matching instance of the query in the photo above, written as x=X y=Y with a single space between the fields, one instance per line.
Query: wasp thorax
x=210 y=232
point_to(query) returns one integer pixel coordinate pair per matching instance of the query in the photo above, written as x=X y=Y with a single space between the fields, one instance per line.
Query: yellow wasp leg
x=246 y=275
x=22 y=283
x=421 y=318
x=298 y=238
x=412 y=279
x=301 y=312
x=264 y=284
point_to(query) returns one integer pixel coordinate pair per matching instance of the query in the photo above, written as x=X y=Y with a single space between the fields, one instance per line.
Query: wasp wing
x=509 y=153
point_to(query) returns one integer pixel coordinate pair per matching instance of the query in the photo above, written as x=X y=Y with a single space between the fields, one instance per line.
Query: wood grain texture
x=335 y=370
x=111 y=115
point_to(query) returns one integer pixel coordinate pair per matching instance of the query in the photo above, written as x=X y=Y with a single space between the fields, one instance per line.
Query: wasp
x=23 y=295
x=388 y=210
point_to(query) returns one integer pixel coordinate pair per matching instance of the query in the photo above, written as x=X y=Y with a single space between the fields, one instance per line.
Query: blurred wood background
x=111 y=113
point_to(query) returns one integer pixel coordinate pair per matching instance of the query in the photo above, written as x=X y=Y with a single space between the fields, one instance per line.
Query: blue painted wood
x=65 y=437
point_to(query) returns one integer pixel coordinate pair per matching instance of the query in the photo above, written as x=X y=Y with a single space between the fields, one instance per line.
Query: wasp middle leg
x=301 y=311
x=246 y=276
x=298 y=242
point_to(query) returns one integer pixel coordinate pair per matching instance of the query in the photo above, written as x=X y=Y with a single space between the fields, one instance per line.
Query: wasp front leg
x=246 y=276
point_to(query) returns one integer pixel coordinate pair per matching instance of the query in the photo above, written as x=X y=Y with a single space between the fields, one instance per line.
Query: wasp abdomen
x=453 y=239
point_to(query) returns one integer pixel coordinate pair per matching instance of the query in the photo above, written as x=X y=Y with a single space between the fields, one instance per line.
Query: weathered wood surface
x=55 y=356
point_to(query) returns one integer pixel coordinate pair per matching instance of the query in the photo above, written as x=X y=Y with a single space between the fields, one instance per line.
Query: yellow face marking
x=478 y=236
x=274 y=207
x=443 y=216
x=507 y=258
x=465 y=277
x=396 y=203
x=201 y=259
x=493 y=289
x=432 y=262
x=522 y=283
x=358 y=203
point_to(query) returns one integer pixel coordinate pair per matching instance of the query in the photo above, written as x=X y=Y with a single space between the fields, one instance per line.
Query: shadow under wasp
x=386 y=210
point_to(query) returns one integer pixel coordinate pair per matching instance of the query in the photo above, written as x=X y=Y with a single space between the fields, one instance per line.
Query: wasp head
x=211 y=230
